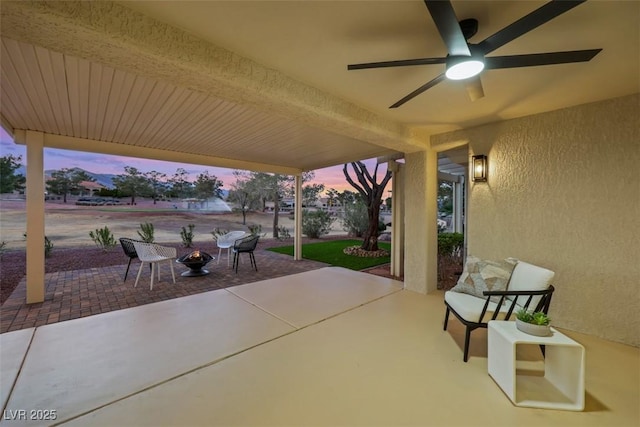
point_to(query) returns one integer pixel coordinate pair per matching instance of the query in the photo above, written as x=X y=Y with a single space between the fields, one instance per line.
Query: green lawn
x=331 y=253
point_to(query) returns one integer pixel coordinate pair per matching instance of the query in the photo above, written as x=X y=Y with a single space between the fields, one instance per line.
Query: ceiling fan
x=465 y=61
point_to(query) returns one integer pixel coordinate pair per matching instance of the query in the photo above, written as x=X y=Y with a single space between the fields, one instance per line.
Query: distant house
x=89 y=188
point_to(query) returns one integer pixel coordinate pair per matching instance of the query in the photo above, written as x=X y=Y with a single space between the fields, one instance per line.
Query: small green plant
x=103 y=238
x=255 y=229
x=48 y=245
x=187 y=236
x=283 y=233
x=146 y=232
x=217 y=232
x=3 y=247
x=535 y=318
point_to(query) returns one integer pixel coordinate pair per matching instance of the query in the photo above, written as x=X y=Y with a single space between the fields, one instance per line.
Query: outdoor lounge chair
x=226 y=241
x=245 y=245
x=529 y=288
x=130 y=251
x=154 y=255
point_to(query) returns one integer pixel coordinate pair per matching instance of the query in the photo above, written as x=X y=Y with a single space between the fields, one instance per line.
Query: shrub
x=450 y=243
x=316 y=223
x=3 y=247
x=103 y=238
x=356 y=218
x=255 y=229
x=449 y=251
x=283 y=233
x=146 y=232
x=187 y=236
x=217 y=232
x=48 y=247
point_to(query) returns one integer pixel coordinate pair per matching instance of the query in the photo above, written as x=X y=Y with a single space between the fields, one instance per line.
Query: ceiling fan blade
x=448 y=27
x=418 y=91
x=474 y=88
x=535 y=59
x=527 y=23
x=400 y=63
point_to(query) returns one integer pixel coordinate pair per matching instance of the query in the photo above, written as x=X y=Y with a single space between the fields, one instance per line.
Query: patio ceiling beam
x=114 y=35
x=93 y=146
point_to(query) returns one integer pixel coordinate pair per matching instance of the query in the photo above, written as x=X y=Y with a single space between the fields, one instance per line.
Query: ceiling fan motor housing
x=469 y=27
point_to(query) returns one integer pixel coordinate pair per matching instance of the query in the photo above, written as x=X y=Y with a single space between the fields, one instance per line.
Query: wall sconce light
x=479 y=168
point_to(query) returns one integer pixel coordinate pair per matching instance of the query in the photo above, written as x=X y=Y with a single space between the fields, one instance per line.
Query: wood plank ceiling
x=64 y=95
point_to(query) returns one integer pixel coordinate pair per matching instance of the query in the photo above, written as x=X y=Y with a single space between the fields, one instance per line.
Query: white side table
x=562 y=386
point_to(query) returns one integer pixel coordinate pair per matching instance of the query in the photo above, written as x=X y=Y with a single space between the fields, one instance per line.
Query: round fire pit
x=195 y=261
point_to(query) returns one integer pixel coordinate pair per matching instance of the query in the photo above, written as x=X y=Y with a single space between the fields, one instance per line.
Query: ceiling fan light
x=463 y=67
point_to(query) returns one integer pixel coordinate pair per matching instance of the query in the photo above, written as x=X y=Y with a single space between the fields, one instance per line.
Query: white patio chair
x=154 y=255
x=226 y=241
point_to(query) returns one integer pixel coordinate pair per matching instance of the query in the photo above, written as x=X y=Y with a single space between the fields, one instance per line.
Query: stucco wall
x=564 y=193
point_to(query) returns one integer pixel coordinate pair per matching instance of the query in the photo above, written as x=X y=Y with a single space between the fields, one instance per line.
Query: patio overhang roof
x=137 y=87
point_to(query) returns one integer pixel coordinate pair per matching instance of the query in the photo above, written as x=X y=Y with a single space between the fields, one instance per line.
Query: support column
x=35 y=217
x=458 y=205
x=397 y=219
x=297 y=238
x=421 y=214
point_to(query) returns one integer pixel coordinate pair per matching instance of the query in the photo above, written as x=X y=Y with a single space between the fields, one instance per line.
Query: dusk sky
x=101 y=163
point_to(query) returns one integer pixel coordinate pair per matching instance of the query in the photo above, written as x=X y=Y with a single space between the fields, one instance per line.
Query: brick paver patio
x=80 y=293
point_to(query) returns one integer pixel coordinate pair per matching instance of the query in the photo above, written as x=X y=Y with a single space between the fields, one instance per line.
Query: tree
x=388 y=202
x=371 y=192
x=271 y=187
x=207 y=186
x=243 y=195
x=9 y=180
x=274 y=187
x=65 y=181
x=181 y=187
x=157 y=184
x=132 y=183
x=332 y=196
x=310 y=194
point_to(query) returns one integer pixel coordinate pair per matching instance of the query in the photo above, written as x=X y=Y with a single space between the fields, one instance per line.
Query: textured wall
x=564 y=193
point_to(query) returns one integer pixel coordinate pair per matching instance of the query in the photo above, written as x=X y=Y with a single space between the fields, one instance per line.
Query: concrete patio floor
x=325 y=347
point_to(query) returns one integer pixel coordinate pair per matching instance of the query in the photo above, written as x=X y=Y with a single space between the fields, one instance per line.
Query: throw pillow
x=483 y=275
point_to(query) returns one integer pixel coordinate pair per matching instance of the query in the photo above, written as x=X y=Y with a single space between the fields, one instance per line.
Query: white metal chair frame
x=154 y=255
x=226 y=241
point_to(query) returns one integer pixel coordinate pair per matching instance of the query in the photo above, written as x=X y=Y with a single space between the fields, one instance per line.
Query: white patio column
x=397 y=218
x=35 y=217
x=458 y=205
x=421 y=214
x=297 y=238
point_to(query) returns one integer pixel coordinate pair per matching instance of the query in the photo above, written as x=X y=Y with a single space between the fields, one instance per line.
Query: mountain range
x=105 y=179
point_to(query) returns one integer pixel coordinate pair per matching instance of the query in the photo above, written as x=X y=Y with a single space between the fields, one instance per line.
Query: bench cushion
x=470 y=307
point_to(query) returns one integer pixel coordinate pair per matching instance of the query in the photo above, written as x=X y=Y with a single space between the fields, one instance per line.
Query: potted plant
x=533 y=323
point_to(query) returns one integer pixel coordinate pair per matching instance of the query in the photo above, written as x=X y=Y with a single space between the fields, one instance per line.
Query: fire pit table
x=196 y=260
